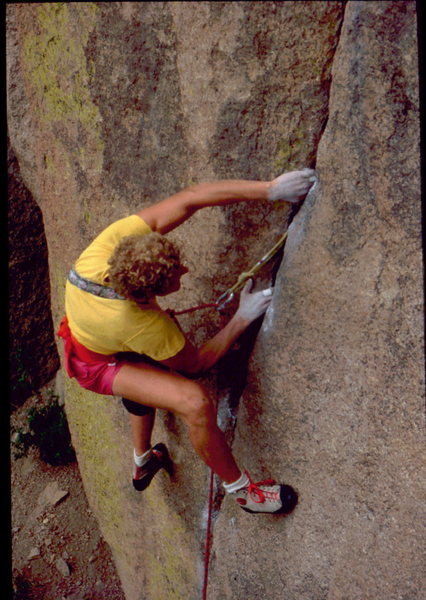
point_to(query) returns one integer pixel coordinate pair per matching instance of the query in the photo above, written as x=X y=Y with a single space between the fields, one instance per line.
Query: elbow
x=193 y=371
x=204 y=361
x=190 y=372
x=196 y=367
x=190 y=362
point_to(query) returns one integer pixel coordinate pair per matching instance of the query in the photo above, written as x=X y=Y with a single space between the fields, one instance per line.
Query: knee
x=198 y=409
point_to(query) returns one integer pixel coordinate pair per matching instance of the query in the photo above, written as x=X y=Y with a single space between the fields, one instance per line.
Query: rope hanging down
x=209 y=540
x=227 y=296
x=219 y=304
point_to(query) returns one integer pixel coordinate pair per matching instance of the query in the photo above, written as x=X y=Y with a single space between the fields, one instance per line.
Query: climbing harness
x=229 y=294
x=96 y=289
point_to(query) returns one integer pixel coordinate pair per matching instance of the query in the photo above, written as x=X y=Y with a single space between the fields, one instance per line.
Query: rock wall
x=338 y=409
x=112 y=106
x=33 y=357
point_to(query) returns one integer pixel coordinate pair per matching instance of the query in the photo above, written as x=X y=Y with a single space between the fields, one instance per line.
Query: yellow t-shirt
x=107 y=325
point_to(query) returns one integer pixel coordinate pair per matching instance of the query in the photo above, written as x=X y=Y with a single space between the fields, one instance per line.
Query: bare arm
x=171 y=212
x=194 y=361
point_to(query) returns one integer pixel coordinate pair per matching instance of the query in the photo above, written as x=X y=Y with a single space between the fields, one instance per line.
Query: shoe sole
x=141 y=484
x=165 y=463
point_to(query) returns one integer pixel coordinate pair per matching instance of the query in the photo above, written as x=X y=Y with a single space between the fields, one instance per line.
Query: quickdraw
x=229 y=294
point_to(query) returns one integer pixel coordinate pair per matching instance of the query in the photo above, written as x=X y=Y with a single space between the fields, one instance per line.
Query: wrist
x=240 y=320
x=266 y=186
x=272 y=191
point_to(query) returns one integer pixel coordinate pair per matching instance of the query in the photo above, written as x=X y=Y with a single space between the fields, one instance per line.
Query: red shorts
x=93 y=371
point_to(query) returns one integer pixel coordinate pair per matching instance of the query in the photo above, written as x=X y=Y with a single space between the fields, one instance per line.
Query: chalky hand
x=291 y=187
x=253 y=305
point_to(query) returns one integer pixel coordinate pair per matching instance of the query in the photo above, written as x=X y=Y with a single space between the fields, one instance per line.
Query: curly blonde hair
x=141 y=266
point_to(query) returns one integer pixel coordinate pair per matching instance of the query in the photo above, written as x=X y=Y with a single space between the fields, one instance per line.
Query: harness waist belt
x=96 y=289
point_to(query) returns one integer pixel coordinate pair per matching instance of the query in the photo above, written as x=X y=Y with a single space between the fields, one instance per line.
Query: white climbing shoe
x=266 y=497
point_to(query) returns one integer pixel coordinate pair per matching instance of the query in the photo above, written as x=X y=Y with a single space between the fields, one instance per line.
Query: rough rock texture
x=338 y=410
x=115 y=105
x=33 y=357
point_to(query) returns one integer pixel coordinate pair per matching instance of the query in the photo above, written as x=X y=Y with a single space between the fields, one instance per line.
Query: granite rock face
x=338 y=410
x=112 y=106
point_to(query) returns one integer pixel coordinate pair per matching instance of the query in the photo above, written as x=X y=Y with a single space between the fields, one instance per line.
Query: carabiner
x=224 y=299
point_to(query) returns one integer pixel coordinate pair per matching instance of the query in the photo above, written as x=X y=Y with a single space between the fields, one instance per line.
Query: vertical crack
x=233 y=369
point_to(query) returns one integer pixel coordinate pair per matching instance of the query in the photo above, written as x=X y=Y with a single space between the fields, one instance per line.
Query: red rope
x=174 y=313
x=209 y=537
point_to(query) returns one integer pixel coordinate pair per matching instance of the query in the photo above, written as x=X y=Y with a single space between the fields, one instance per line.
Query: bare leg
x=141 y=431
x=169 y=391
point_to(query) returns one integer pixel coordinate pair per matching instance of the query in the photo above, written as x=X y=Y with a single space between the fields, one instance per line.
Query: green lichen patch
x=57 y=62
x=176 y=572
x=290 y=150
x=97 y=449
x=53 y=57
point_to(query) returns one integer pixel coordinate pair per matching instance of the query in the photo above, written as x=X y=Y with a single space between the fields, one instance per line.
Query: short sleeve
x=93 y=262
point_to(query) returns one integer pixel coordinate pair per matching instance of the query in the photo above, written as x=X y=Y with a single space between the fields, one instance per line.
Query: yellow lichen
x=177 y=571
x=56 y=68
x=58 y=64
x=92 y=430
x=289 y=151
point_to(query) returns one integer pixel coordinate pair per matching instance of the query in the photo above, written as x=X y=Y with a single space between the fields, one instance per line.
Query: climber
x=119 y=342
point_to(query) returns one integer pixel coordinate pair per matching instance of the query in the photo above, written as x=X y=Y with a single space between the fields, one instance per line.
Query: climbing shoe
x=266 y=497
x=159 y=459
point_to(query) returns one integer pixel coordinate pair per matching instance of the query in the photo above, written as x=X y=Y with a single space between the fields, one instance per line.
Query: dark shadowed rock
x=33 y=357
